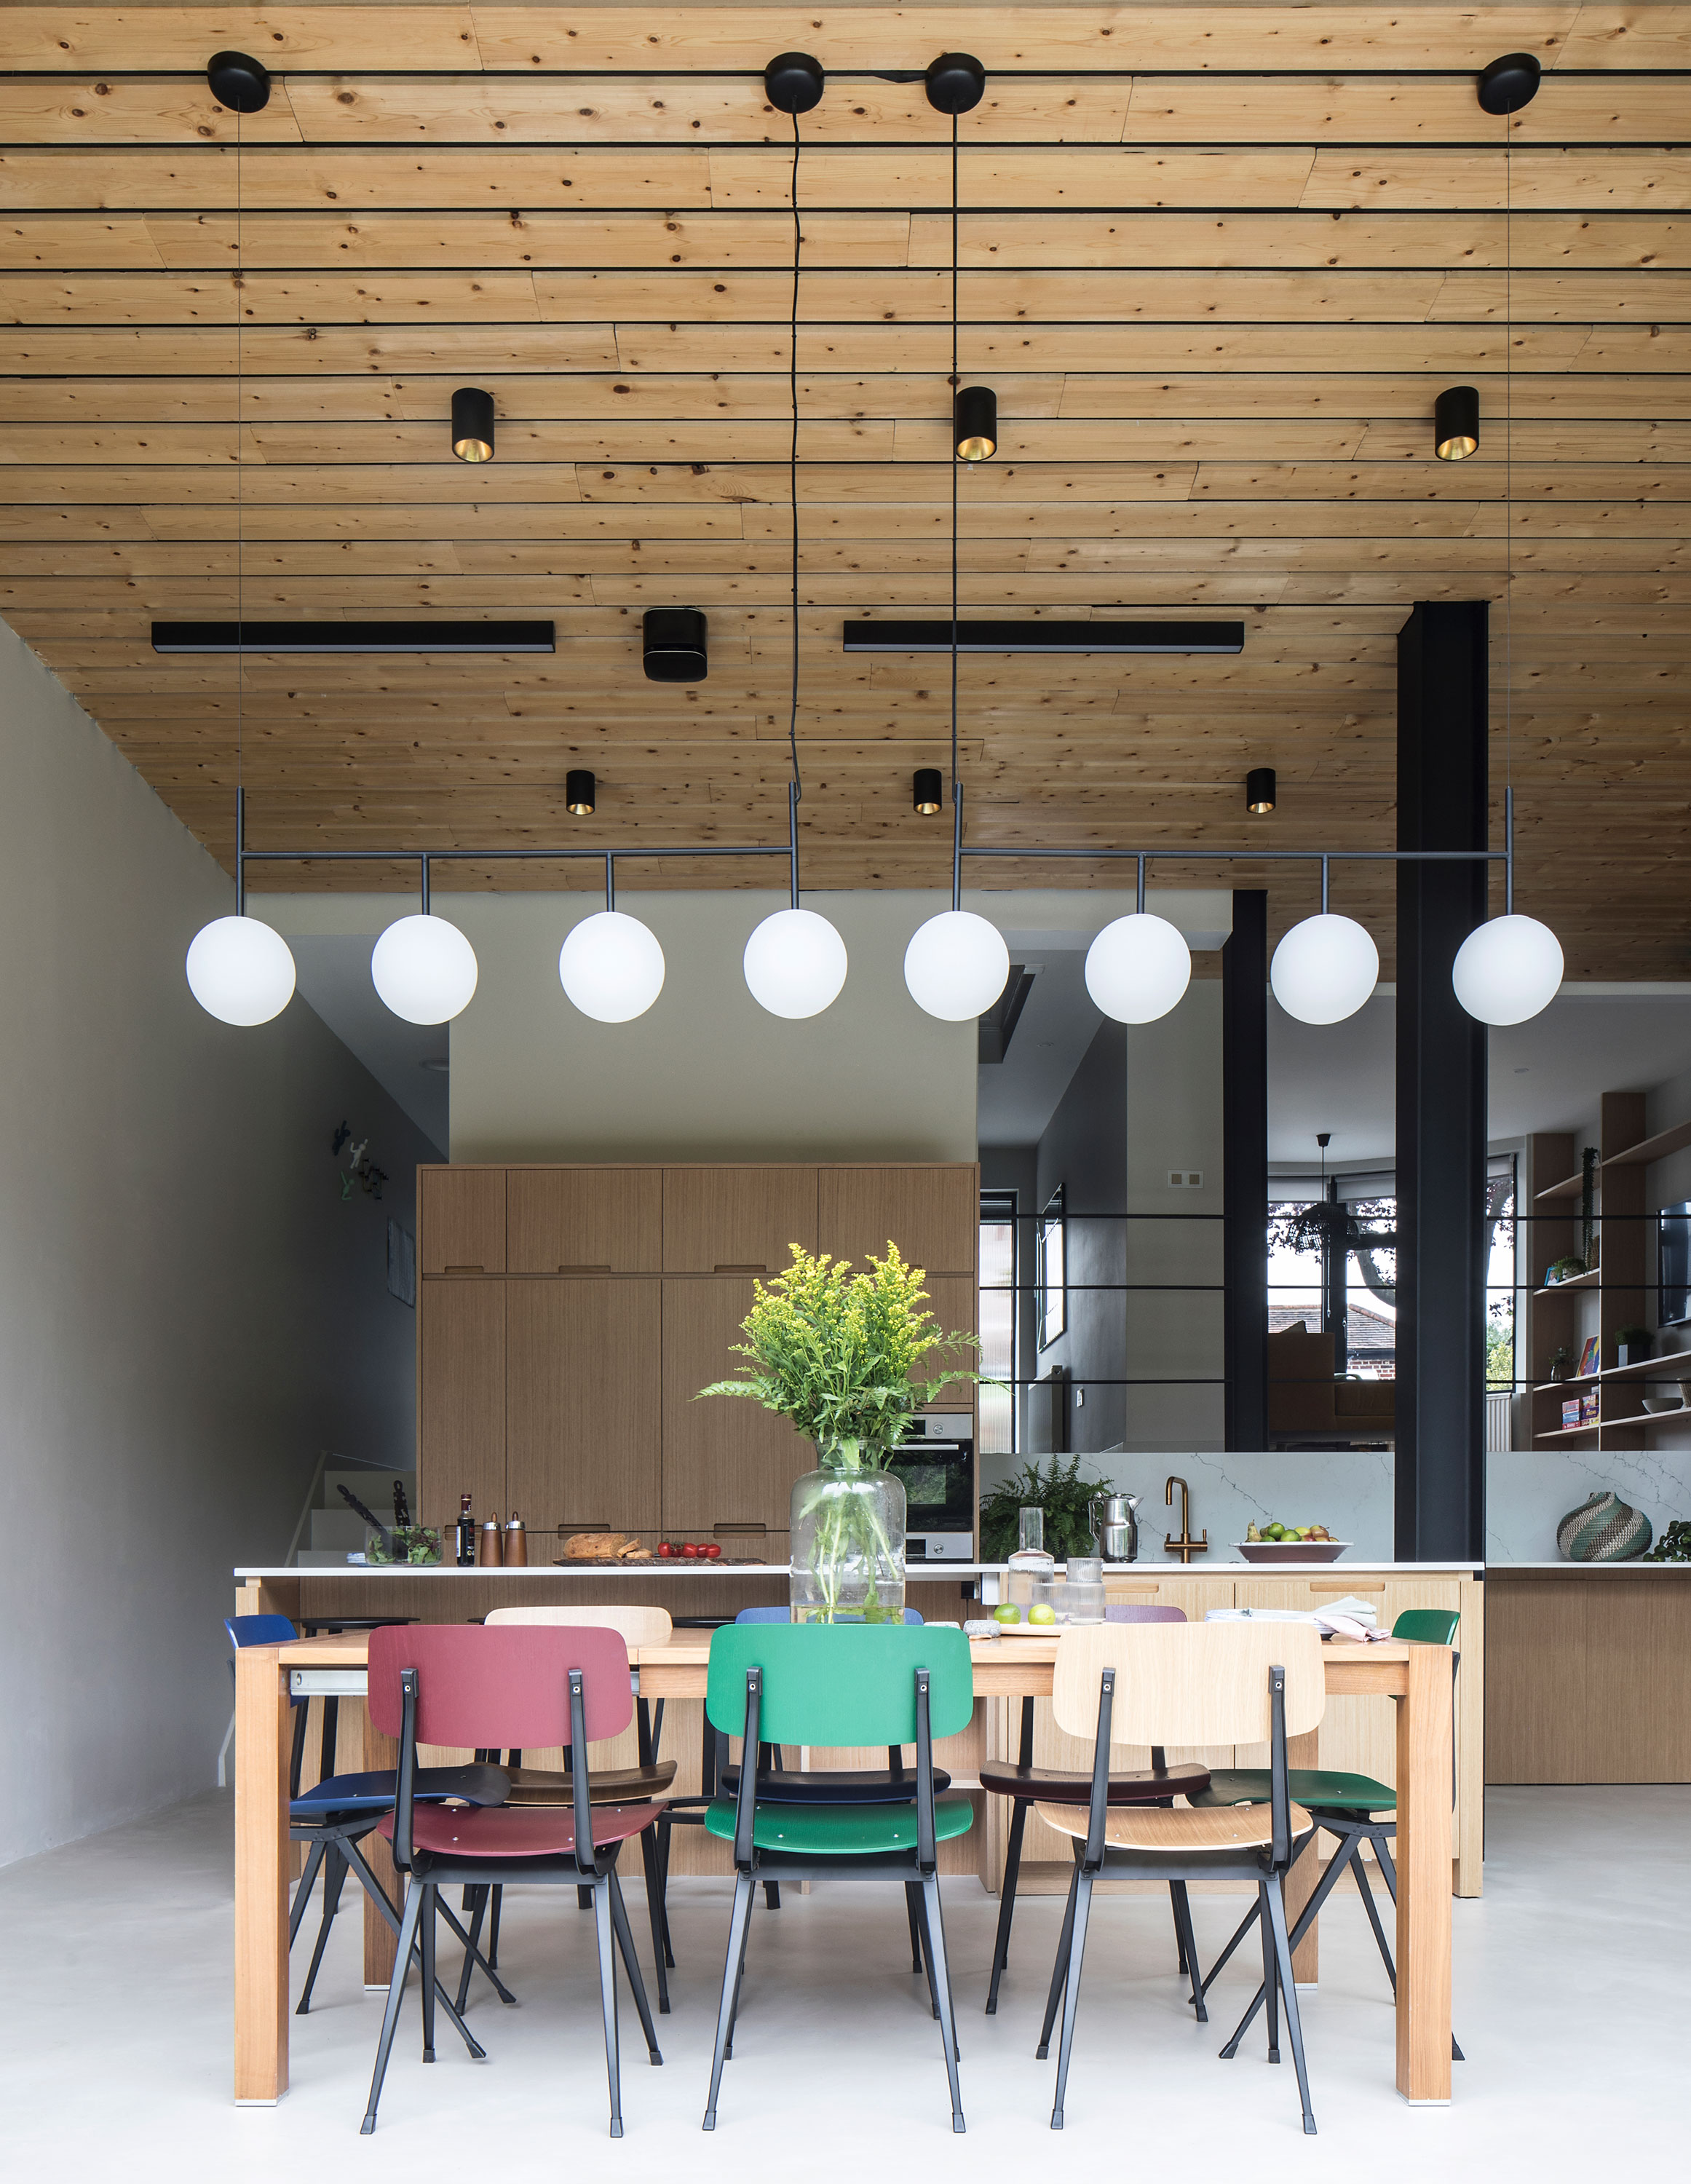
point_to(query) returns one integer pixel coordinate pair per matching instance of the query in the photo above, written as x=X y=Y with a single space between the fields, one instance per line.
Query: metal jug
x=1115 y=1533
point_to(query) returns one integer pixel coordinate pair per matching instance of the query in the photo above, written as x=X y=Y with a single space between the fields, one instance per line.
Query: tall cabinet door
x=726 y=1461
x=932 y=1214
x=461 y=1220
x=461 y=1398
x=583 y=1405
x=585 y=1220
x=736 y=1220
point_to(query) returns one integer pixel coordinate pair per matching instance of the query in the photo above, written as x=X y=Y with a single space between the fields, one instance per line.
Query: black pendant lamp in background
x=927 y=791
x=1259 y=787
x=472 y=425
x=976 y=420
x=579 y=792
x=1456 y=424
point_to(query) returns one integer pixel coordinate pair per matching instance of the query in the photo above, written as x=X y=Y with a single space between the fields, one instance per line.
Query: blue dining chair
x=337 y=1812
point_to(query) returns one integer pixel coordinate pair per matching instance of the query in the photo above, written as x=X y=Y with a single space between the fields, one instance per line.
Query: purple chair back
x=502 y=1686
x=1132 y=1613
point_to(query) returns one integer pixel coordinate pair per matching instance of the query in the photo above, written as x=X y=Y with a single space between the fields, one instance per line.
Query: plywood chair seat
x=1224 y=1830
x=606 y=1786
x=1050 y=1785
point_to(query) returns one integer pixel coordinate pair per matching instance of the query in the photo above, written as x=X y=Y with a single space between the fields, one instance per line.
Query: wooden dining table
x=269 y=1678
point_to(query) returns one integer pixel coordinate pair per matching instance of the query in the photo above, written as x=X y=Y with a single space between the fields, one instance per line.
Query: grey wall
x=188 y=1312
x=1084 y=1149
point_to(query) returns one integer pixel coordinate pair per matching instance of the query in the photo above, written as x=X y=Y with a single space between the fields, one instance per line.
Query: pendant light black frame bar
x=1002 y=636
x=333 y=637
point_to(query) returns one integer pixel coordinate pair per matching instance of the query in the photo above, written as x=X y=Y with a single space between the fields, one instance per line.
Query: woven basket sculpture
x=1603 y=1530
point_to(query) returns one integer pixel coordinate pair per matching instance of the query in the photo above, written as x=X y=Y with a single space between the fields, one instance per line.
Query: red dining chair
x=531 y=1687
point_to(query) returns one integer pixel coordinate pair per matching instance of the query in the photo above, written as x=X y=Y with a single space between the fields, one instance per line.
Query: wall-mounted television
x=1673 y=1264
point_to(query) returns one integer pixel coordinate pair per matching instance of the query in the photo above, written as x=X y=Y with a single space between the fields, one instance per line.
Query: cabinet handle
x=760 y=1269
x=584 y=1270
x=723 y=1531
x=1342 y=1589
x=464 y=1270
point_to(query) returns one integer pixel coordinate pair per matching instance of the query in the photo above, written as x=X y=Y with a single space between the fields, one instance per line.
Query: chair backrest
x=1428 y=1626
x=499 y=1688
x=636 y=1626
x=1198 y=1683
x=840 y=1683
x=1130 y=1613
x=784 y=1615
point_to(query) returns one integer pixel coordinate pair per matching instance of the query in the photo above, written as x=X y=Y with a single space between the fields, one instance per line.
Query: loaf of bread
x=604 y=1547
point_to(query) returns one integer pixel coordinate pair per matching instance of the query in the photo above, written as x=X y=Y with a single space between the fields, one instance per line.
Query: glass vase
x=848 y=1539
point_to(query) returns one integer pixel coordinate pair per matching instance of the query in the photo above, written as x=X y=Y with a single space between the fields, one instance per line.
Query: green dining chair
x=838 y=1684
x=1355 y=1808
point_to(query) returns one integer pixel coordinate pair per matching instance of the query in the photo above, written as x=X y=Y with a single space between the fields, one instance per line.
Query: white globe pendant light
x=956 y=966
x=240 y=970
x=1324 y=969
x=1138 y=967
x=611 y=967
x=795 y=963
x=423 y=969
x=1507 y=970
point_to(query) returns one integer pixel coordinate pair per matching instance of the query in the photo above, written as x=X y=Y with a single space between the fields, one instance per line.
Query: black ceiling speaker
x=956 y=83
x=472 y=425
x=239 y=82
x=1509 y=84
x=579 y=787
x=675 y=643
x=974 y=421
x=927 y=790
x=1260 y=790
x=1456 y=424
x=793 y=83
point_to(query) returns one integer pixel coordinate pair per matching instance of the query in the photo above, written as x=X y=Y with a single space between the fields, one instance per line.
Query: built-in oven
x=936 y=1464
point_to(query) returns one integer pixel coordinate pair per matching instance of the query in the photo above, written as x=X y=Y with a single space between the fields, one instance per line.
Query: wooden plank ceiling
x=1217 y=263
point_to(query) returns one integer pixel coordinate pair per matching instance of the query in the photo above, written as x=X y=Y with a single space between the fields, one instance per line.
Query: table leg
x=380 y=1752
x=1423 y=1852
x=1302 y=1880
x=263 y=1732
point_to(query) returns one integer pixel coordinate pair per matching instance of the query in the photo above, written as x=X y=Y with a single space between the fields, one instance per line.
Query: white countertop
x=915 y=1574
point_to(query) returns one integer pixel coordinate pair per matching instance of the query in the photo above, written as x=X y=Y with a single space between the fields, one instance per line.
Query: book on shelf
x=1590 y=1357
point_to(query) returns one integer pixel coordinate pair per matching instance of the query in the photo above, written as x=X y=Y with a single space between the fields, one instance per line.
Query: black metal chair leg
x=1238 y=1935
x=477 y=1907
x=334 y=1874
x=731 y=1964
x=624 y=1937
x=302 y=1895
x=1274 y=1904
x=1018 y=1822
x=496 y=1905
x=772 y=1895
x=739 y=1981
x=654 y=1913
x=1368 y=1905
x=933 y=1920
x=428 y=1925
x=1188 y=1944
x=378 y=1896
x=1061 y=1967
x=1071 y=1992
x=600 y=1893
x=396 y=1988
x=1342 y=1858
x=584 y=1899
x=912 y=1899
x=461 y=1934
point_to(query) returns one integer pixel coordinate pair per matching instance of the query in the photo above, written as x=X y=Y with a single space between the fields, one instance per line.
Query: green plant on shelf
x=1060 y=1490
x=1673 y=1546
x=1631 y=1344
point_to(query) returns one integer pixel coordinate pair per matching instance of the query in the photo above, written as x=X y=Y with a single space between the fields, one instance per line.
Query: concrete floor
x=1573 y=2003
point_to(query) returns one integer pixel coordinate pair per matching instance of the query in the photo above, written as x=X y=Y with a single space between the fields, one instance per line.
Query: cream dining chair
x=1180 y=1686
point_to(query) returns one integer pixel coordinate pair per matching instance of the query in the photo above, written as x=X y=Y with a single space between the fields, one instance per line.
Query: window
x=1500 y=1278
x=997 y=1320
x=1051 y=1277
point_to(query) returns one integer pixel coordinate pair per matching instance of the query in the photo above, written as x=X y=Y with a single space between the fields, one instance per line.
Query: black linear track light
x=1508 y=84
x=472 y=425
x=1259 y=790
x=927 y=790
x=579 y=787
x=674 y=640
x=975 y=424
x=955 y=83
x=1456 y=424
x=793 y=83
x=239 y=82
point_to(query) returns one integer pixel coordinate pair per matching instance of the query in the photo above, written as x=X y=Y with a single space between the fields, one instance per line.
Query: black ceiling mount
x=1508 y=84
x=793 y=83
x=956 y=83
x=239 y=82
x=674 y=644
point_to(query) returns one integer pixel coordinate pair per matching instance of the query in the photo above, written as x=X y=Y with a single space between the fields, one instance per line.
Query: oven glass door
x=937 y=1478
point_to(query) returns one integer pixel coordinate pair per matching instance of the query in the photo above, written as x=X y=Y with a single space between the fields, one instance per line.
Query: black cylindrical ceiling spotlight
x=793 y=83
x=239 y=82
x=928 y=790
x=579 y=786
x=1260 y=790
x=472 y=425
x=1456 y=424
x=1508 y=84
x=955 y=82
x=975 y=424
x=674 y=644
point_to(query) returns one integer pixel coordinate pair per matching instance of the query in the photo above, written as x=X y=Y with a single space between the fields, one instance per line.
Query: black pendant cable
x=956 y=785
x=796 y=787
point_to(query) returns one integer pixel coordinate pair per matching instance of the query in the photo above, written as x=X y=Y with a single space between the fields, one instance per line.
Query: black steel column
x=1244 y=1142
x=1441 y=721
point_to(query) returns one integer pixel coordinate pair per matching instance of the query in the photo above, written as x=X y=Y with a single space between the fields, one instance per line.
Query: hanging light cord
x=240 y=560
x=796 y=788
x=956 y=787
x=1509 y=513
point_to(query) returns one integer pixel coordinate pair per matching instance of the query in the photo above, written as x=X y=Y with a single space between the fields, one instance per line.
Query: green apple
x=1042 y=1612
x=1275 y=1532
x=1008 y=1612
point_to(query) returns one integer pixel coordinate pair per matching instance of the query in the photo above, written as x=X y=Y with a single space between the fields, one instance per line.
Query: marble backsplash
x=1350 y=1490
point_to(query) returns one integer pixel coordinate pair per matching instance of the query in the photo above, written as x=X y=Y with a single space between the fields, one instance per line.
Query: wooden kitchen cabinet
x=726 y=1461
x=585 y=1220
x=461 y=1398
x=932 y=1214
x=583 y=1408
x=736 y=1220
x=461 y=1220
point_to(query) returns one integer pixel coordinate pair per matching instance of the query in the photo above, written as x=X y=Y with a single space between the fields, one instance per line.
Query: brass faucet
x=1185 y=1547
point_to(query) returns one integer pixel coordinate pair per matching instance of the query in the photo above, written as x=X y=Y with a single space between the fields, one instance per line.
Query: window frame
x=1053 y=1218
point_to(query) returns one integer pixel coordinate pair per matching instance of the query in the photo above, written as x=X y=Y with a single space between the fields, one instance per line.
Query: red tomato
x=711 y=1552
x=691 y=1552
x=665 y=1550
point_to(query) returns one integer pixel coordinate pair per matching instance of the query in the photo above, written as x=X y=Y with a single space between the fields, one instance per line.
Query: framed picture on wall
x=402 y=1264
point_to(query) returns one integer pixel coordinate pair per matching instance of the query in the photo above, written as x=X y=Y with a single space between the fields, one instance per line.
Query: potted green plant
x=1060 y=1490
x=1631 y=1344
x=837 y=1352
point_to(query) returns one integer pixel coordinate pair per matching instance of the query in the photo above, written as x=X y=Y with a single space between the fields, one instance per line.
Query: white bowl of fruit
x=1289 y=1543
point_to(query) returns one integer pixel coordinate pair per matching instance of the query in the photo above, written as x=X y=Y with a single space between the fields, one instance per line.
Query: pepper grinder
x=516 y=1543
x=489 y=1552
